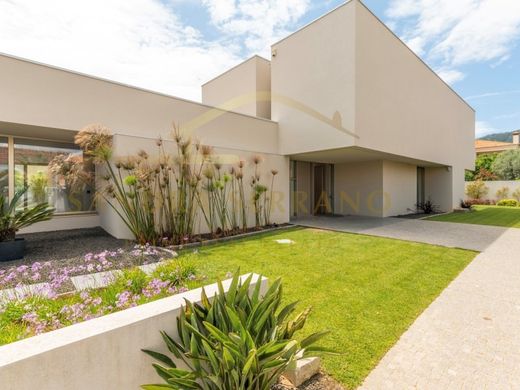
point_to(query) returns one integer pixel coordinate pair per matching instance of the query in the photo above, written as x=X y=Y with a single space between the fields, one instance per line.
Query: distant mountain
x=501 y=137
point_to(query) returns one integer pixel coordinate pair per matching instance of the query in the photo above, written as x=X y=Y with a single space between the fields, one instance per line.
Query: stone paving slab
x=469 y=337
x=97 y=280
x=32 y=289
x=453 y=235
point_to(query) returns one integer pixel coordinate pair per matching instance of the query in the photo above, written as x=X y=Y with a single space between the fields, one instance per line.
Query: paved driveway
x=455 y=235
x=469 y=337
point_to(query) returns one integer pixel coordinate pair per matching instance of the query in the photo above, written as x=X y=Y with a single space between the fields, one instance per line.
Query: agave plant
x=13 y=219
x=238 y=340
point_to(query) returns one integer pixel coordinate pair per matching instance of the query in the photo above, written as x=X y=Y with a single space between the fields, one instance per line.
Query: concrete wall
x=127 y=145
x=400 y=188
x=313 y=79
x=65 y=222
x=494 y=186
x=48 y=97
x=438 y=184
x=46 y=102
x=263 y=88
x=404 y=108
x=245 y=88
x=102 y=354
x=359 y=188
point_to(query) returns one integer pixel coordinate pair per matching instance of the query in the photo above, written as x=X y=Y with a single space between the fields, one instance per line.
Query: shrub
x=476 y=189
x=473 y=202
x=502 y=193
x=13 y=218
x=508 y=203
x=427 y=207
x=516 y=194
x=465 y=204
x=161 y=199
x=239 y=340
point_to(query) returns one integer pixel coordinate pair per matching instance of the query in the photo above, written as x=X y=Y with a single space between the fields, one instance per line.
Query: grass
x=484 y=215
x=366 y=290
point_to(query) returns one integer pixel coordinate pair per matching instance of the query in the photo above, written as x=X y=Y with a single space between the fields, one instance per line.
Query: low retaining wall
x=494 y=186
x=101 y=354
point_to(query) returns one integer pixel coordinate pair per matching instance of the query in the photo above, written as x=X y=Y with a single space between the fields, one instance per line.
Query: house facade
x=484 y=146
x=354 y=122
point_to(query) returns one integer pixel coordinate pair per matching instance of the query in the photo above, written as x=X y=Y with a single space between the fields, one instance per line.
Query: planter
x=12 y=250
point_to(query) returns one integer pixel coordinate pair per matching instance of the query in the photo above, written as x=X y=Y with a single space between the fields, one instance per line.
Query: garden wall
x=494 y=186
x=125 y=145
x=103 y=353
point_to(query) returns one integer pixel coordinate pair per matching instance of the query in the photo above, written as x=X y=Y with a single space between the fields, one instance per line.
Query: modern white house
x=353 y=120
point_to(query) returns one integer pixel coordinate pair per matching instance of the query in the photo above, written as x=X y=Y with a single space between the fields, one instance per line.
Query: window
x=54 y=172
x=4 y=167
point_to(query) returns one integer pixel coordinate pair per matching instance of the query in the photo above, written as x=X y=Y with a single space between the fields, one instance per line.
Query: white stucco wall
x=65 y=222
x=244 y=88
x=29 y=107
x=404 y=108
x=103 y=353
x=494 y=186
x=359 y=188
x=312 y=85
x=438 y=188
x=44 y=96
x=400 y=188
x=124 y=145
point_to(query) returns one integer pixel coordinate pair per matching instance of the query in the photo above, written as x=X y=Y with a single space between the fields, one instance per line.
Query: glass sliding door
x=4 y=167
x=54 y=172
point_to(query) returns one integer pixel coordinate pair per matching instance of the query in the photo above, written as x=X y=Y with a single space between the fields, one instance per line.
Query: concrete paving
x=468 y=338
x=453 y=235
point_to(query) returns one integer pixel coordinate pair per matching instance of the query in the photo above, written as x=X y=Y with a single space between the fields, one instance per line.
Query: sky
x=174 y=46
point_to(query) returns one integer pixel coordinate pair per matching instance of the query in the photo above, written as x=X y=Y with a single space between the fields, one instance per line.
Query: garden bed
x=31 y=314
x=55 y=257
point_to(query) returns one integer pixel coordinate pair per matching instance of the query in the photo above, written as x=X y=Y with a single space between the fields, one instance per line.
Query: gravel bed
x=59 y=255
x=67 y=244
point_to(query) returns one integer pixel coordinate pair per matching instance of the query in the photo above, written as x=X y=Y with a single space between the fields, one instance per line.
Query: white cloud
x=483 y=128
x=258 y=23
x=141 y=42
x=144 y=42
x=493 y=94
x=460 y=32
x=221 y=10
x=450 y=75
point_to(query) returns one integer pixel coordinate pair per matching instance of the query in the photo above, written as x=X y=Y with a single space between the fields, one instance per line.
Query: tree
x=507 y=165
x=483 y=168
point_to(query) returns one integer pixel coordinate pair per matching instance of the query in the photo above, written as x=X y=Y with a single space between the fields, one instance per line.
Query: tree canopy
x=507 y=165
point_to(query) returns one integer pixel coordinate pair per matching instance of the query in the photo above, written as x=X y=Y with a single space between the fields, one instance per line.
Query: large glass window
x=4 y=167
x=54 y=172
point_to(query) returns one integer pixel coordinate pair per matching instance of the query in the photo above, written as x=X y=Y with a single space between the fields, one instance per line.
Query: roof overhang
x=356 y=154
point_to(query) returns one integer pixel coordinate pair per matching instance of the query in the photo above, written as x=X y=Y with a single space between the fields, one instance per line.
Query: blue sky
x=173 y=46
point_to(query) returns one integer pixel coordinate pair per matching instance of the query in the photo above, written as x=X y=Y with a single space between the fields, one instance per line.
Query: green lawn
x=366 y=290
x=484 y=215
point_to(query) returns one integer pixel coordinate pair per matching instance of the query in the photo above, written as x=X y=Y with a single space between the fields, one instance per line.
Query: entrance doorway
x=323 y=184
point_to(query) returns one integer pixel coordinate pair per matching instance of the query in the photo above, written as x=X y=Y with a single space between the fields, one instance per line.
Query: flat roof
x=97 y=78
